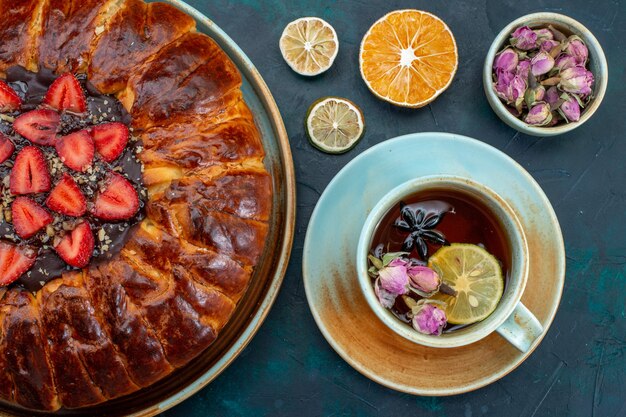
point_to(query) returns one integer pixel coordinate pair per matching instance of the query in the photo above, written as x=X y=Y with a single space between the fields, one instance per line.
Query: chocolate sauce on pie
x=110 y=237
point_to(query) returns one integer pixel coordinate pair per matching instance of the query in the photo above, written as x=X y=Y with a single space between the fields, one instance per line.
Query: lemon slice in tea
x=334 y=124
x=309 y=45
x=475 y=275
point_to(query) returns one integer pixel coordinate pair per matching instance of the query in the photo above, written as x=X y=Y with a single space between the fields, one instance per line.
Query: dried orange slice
x=309 y=45
x=408 y=58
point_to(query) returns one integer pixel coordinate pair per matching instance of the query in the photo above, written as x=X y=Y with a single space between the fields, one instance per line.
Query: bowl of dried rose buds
x=545 y=74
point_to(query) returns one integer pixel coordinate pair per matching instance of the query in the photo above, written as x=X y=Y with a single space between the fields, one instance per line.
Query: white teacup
x=511 y=319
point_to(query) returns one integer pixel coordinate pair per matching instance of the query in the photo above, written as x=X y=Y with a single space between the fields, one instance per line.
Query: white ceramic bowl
x=597 y=65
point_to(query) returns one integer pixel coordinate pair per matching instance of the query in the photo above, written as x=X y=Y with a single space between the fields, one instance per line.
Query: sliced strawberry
x=110 y=139
x=9 y=100
x=118 y=201
x=28 y=217
x=6 y=148
x=30 y=172
x=76 y=248
x=76 y=150
x=65 y=93
x=14 y=261
x=66 y=198
x=38 y=126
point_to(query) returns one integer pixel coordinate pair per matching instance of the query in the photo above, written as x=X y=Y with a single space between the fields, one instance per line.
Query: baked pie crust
x=120 y=325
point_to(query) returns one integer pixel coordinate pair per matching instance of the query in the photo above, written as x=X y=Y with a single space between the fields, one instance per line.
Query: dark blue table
x=580 y=368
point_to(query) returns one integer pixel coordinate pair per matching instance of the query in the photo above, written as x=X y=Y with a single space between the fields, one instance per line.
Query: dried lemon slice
x=408 y=58
x=334 y=124
x=309 y=45
x=475 y=275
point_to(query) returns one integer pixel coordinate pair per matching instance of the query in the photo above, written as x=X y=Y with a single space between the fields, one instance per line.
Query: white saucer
x=331 y=285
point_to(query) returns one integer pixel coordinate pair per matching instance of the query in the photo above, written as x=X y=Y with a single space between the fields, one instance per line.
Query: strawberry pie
x=64 y=160
x=135 y=200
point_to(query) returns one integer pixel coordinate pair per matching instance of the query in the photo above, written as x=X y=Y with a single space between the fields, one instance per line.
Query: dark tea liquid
x=466 y=220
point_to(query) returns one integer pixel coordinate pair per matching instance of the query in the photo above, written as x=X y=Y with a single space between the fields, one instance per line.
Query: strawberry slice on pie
x=65 y=93
x=76 y=150
x=66 y=198
x=9 y=100
x=6 y=148
x=118 y=201
x=30 y=172
x=28 y=217
x=14 y=261
x=115 y=200
x=110 y=139
x=76 y=247
x=38 y=126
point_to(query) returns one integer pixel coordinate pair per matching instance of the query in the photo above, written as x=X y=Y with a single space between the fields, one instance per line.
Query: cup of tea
x=468 y=237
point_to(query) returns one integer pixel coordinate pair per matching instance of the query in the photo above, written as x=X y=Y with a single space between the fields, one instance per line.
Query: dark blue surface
x=580 y=368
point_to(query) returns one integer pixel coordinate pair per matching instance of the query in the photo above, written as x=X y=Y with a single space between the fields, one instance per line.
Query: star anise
x=421 y=228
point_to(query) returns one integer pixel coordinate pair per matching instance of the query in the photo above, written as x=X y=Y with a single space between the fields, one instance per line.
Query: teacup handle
x=521 y=329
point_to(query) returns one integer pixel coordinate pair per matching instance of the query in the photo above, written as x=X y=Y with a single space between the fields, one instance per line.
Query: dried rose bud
x=570 y=109
x=558 y=35
x=524 y=38
x=394 y=277
x=576 y=80
x=423 y=280
x=502 y=84
x=510 y=88
x=552 y=97
x=385 y=298
x=549 y=45
x=564 y=62
x=397 y=260
x=523 y=69
x=539 y=115
x=544 y=34
x=506 y=61
x=577 y=48
x=541 y=63
x=428 y=318
x=534 y=95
